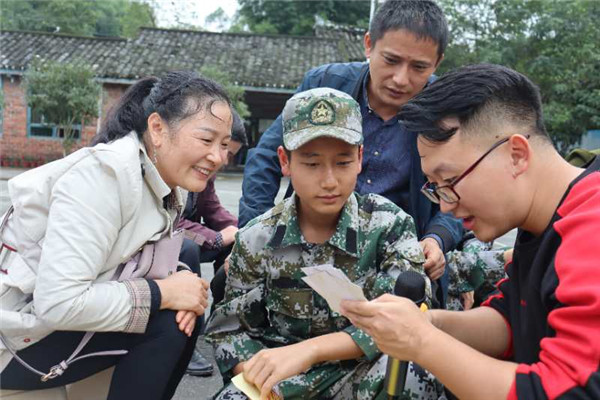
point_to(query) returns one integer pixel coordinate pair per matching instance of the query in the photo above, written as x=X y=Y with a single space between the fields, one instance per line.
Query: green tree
x=218 y=18
x=554 y=42
x=65 y=94
x=235 y=93
x=293 y=17
x=122 y=17
x=86 y=18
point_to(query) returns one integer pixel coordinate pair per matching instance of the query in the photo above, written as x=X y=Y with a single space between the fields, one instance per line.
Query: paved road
x=229 y=189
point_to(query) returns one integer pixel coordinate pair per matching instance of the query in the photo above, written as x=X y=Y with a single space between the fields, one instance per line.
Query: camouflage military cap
x=321 y=112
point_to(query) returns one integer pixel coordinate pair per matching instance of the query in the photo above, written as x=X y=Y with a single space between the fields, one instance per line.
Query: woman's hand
x=186 y=321
x=396 y=324
x=270 y=366
x=183 y=290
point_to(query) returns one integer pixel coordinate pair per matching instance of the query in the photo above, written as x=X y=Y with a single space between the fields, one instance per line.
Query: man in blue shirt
x=405 y=45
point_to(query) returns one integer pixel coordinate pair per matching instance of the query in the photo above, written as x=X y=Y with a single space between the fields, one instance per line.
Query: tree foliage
x=293 y=17
x=65 y=94
x=235 y=93
x=86 y=18
x=554 y=42
x=218 y=19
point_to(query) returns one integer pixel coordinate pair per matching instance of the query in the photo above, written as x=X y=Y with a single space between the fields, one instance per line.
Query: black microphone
x=410 y=284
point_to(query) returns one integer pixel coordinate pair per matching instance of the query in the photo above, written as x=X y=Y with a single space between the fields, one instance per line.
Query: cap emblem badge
x=322 y=113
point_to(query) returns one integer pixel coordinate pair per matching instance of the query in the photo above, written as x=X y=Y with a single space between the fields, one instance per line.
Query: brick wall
x=19 y=150
x=110 y=95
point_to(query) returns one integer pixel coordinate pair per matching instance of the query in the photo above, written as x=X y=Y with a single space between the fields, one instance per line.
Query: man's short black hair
x=478 y=95
x=421 y=17
x=238 y=131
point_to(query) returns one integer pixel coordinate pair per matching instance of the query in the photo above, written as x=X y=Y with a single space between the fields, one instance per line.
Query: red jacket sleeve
x=499 y=303
x=570 y=359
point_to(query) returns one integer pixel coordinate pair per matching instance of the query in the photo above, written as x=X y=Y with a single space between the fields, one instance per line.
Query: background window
x=39 y=127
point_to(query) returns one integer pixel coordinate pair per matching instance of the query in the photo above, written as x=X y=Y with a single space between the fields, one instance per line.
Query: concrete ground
x=229 y=189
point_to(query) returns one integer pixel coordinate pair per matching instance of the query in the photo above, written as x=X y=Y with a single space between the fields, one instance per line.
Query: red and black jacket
x=551 y=300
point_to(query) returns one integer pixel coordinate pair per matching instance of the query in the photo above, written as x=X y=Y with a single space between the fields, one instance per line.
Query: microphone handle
x=395 y=378
x=402 y=378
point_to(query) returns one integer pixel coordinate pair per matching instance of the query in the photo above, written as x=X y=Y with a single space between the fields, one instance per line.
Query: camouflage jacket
x=476 y=266
x=266 y=302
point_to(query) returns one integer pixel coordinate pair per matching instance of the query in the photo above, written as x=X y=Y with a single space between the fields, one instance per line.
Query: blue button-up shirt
x=384 y=172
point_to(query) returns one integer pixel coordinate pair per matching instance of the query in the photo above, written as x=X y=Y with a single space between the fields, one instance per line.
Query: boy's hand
x=228 y=235
x=468 y=299
x=435 y=263
x=238 y=369
x=508 y=256
x=270 y=366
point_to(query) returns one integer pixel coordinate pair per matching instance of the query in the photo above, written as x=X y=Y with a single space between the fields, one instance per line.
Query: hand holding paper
x=249 y=389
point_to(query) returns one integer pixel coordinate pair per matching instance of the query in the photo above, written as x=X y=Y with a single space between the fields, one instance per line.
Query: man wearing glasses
x=489 y=161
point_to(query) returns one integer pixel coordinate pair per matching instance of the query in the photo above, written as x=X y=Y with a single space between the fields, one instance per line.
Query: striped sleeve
x=570 y=359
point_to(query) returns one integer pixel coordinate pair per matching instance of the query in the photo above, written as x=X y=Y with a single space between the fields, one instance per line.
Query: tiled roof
x=17 y=49
x=350 y=39
x=266 y=61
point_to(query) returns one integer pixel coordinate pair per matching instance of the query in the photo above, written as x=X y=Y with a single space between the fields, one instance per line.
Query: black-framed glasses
x=447 y=192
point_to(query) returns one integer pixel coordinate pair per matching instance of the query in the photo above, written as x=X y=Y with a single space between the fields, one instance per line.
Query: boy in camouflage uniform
x=271 y=325
x=475 y=268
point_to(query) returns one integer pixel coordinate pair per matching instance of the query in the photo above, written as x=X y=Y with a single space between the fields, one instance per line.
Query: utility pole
x=373 y=5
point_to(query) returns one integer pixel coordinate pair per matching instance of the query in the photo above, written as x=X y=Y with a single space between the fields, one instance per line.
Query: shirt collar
x=287 y=231
x=365 y=101
x=171 y=198
x=365 y=94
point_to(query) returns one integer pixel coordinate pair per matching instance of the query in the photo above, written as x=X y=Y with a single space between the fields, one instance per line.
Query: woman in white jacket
x=77 y=220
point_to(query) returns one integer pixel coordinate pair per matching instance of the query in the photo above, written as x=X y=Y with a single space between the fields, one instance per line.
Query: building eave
x=268 y=89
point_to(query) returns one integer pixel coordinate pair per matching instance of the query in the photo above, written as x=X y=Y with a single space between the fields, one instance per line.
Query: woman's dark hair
x=421 y=17
x=175 y=96
x=238 y=131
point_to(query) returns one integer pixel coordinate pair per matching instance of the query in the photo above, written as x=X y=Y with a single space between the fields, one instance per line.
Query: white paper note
x=249 y=389
x=332 y=284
